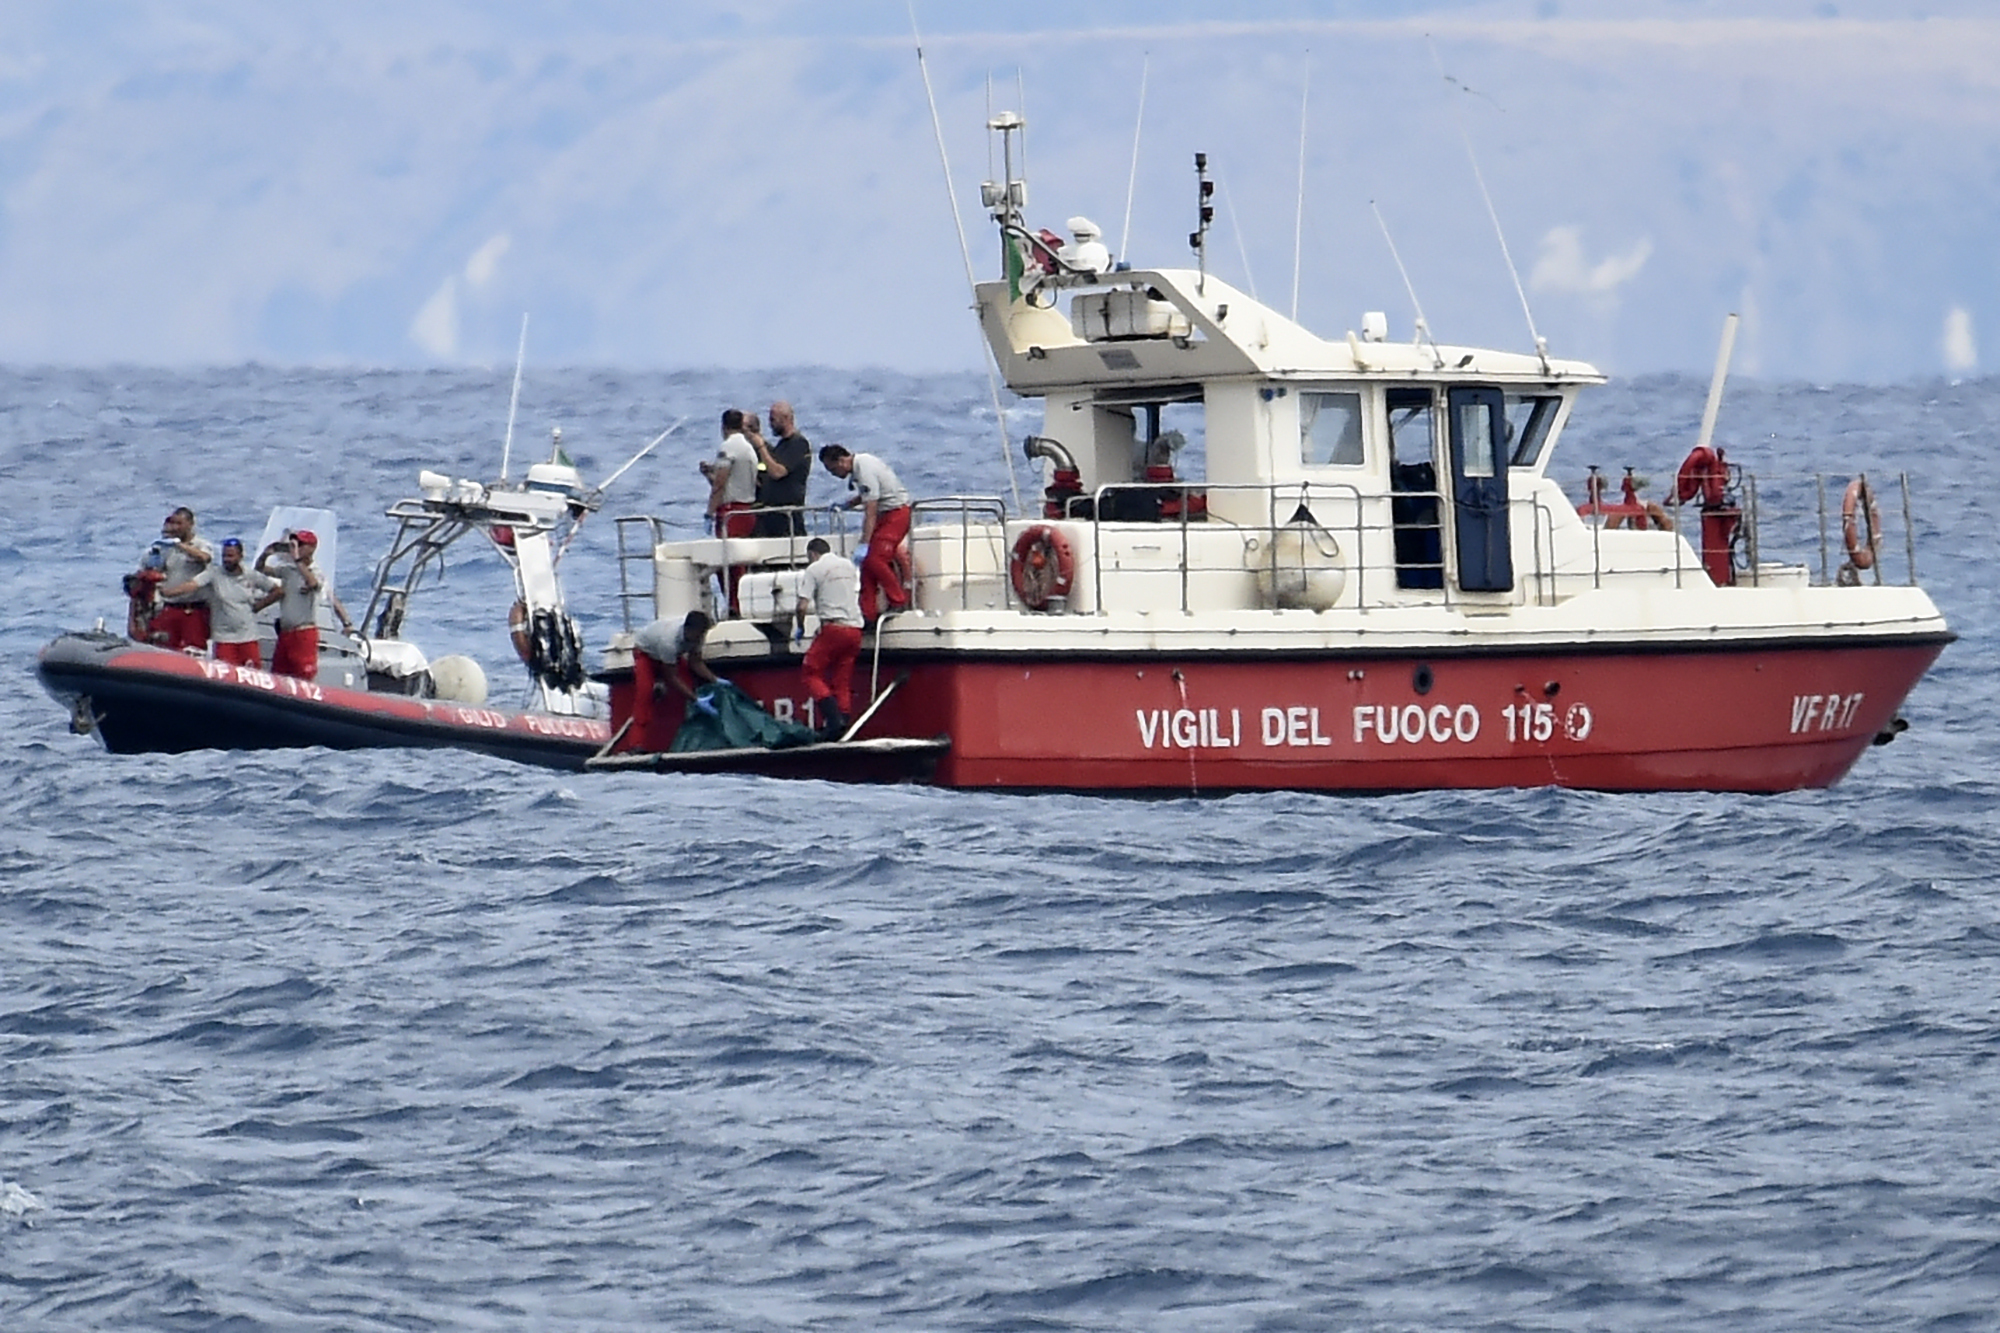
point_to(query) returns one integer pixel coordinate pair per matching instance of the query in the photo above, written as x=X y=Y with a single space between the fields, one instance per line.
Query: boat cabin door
x=1477 y=429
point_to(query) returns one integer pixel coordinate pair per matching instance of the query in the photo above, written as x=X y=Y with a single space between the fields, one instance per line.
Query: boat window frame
x=1145 y=395
x=1529 y=440
x=1432 y=411
x=1473 y=421
x=1362 y=404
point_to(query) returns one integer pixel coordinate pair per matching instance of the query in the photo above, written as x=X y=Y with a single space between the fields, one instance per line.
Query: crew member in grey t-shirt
x=234 y=595
x=667 y=652
x=182 y=620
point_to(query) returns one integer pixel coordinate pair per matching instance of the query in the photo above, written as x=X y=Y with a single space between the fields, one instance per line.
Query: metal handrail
x=627 y=557
x=978 y=518
x=965 y=506
x=1754 y=492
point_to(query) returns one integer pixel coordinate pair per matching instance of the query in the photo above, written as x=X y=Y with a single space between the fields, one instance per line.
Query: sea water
x=411 y=1040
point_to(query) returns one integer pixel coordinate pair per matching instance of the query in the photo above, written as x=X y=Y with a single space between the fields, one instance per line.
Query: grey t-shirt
x=740 y=457
x=831 y=585
x=180 y=567
x=662 y=640
x=877 y=481
x=299 y=608
x=230 y=598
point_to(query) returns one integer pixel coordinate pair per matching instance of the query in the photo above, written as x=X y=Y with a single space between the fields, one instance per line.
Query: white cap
x=1084 y=229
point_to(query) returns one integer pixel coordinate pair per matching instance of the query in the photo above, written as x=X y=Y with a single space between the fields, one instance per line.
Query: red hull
x=146 y=700
x=1746 y=718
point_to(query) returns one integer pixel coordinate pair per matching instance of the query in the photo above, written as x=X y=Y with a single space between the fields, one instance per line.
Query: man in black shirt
x=781 y=481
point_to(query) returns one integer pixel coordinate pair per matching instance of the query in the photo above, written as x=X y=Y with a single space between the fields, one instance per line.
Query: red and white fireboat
x=1372 y=583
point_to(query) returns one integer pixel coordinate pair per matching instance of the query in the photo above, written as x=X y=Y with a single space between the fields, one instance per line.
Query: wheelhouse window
x=1530 y=418
x=1410 y=431
x=1475 y=433
x=1330 y=429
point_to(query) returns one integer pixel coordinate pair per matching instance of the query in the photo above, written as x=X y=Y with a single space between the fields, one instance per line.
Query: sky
x=759 y=184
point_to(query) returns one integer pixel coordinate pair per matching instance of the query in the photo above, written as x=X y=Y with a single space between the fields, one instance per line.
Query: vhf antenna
x=1541 y=343
x=1198 y=238
x=1423 y=326
x=514 y=399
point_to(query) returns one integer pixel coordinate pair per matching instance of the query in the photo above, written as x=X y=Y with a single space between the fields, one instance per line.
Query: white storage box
x=1105 y=316
x=768 y=596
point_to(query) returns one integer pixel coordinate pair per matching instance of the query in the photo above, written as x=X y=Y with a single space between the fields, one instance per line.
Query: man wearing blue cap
x=234 y=595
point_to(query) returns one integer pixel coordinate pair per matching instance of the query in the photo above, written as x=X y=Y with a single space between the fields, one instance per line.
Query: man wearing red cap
x=300 y=585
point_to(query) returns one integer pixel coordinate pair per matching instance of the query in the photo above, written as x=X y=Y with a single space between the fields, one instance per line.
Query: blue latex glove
x=722 y=684
x=860 y=554
x=799 y=632
x=703 y=703
x=835 y=507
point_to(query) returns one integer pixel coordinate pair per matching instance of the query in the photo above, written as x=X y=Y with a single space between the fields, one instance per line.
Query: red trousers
x=735 y=520
x=829 y=665
x=878 y=567
x=646 y=710
x=239 y=654
x=179 y=625
x=297 y=653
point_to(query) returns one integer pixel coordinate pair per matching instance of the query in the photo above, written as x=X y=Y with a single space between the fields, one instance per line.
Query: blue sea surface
x=422 y=1040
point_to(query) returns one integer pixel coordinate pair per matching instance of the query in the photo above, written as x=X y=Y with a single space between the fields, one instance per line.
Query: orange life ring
x=1861 y=547
x=517 y=630
x=1042 y=567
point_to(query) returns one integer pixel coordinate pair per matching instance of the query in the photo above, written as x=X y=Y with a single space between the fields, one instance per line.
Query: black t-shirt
x=794 y=454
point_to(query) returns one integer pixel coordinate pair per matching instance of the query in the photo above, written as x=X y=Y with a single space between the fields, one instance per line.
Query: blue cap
x=228 y=542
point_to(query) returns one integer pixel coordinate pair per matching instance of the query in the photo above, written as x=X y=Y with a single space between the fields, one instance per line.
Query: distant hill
x=399 y=187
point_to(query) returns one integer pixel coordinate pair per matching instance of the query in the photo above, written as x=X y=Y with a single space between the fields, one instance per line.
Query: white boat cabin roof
x=1170 y=326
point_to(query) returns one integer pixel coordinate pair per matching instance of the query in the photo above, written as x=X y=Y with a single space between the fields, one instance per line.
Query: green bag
x=737 y=724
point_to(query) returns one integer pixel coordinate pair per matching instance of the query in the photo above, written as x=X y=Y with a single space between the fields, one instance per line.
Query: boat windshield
x=1529 y=418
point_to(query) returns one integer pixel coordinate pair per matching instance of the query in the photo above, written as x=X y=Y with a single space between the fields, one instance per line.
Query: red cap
x=305 y=538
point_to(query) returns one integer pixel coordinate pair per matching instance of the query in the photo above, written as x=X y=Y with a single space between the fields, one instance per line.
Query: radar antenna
x=1299 y=216
x=1204 y=214
x=1423 y=325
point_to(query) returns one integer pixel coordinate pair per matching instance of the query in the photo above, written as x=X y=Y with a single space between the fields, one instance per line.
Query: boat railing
x=1891 y=495
x=1406 y=550
x=1790 y=527
x=1542 y=528
x=1393 y=548
x=1190 y=507
x=640 y=536
x=985 y=514
x=636 y=551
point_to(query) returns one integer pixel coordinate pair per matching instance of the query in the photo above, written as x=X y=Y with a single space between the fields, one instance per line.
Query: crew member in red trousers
x=830 y=588
x=296 y=653
x=732 y=490
x=885 y=522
